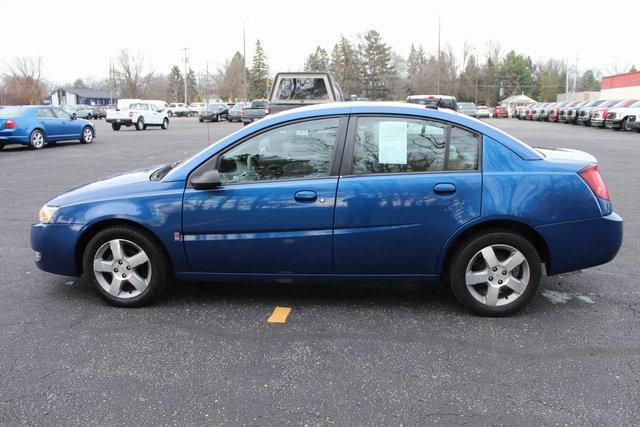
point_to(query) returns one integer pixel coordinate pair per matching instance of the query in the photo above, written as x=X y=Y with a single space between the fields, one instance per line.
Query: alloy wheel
x=87 y=134
x=37 y=139
x=497 y=275
x=122 y=268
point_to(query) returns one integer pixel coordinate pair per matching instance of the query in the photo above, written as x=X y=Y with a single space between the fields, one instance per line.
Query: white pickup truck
x=178 y=109
x=140 y=114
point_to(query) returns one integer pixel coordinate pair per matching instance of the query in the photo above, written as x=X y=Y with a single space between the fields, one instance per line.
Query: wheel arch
x=98 y=226
x=497 y=224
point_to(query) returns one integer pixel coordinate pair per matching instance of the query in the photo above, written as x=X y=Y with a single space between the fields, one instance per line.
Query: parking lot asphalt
x=348 y=354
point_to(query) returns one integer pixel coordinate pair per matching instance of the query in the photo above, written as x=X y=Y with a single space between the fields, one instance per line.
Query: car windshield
x=12 y=111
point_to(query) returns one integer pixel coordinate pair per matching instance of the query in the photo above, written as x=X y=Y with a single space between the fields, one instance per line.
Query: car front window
x=299 y=150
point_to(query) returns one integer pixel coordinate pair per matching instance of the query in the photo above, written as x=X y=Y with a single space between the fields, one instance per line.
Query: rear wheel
x=87 y=135
x=36 y=139
x=495 y=273
x=125 y=266
x=116 y=126
x=1 y=147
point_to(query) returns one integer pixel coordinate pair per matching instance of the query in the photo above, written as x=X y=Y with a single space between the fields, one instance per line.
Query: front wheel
x=495 y=273
x=217 y=119
x=125 y=266
x=116 y=126
x=36 y=139
x=165 y=124
x=87 y=135
x=140 y=124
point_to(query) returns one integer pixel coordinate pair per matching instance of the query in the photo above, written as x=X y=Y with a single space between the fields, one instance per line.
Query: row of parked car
x=618 y=114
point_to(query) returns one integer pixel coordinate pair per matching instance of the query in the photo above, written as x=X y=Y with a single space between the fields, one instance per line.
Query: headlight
x=46 y=213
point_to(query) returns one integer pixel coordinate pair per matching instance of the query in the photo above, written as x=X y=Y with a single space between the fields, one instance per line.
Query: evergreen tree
x=317 y=61
x=175 y=86
x=345 y=67
x=259 y=74
x=376 y=65
x=192 y=87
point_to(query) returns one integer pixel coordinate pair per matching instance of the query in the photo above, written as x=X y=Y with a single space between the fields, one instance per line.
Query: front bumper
x=54 y=246
x=596 y=122
x=582 y=244
x=613 y=124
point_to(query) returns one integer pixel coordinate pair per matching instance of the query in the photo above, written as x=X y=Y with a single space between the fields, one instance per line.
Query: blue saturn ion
x=37 y=125
x=355 y=191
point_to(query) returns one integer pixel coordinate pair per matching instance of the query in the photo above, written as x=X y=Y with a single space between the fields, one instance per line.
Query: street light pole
x=185 y=49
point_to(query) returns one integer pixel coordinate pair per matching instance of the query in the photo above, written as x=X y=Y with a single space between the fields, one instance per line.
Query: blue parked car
x=37 y=125
x=357 y=191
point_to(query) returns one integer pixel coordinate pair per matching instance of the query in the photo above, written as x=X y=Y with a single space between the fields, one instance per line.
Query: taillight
x=592 y=177
x=10 y=124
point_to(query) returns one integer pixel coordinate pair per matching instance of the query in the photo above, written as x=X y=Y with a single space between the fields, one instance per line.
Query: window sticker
x=392 y=142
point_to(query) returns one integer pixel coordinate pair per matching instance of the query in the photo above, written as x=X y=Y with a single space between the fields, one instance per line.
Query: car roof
x=356 y=107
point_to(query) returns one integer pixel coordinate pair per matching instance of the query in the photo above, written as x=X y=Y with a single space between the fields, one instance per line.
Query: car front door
x=155 y=115
x=69 y=128
x=406 y=185
x=273 y=212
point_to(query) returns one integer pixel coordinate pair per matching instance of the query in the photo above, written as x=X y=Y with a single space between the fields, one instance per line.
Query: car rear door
x=406 y=185
x=273 y=213
x=48 y=121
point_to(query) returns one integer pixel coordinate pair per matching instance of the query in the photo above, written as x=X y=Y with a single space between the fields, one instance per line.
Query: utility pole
x=206 y=85
x=244 y=60
x=575 y=75
x=566 y=83
x=438 y=68
x=477 y=74
x=185 y=49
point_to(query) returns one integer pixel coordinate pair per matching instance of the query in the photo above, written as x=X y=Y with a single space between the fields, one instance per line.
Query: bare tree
x=23 y=83
x=132 y=74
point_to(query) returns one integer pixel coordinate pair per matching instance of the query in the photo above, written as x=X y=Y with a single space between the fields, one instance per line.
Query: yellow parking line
x=279 y=315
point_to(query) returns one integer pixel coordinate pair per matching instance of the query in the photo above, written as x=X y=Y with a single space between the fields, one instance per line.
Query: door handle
x=444 y=188
x=306 y=196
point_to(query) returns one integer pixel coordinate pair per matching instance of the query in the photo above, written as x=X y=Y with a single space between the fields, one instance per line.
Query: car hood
x=567 y=155
x=113 y=187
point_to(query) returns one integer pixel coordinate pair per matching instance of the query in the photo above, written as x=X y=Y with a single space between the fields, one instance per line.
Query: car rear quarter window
x=401 y=145
x=294 y=151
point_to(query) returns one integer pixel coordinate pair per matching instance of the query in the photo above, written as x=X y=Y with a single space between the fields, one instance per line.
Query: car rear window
x=259 y=104
x=12 y=111
x=295 y=89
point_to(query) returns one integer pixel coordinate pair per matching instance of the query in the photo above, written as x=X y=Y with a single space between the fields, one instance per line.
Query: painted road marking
x=279 y=315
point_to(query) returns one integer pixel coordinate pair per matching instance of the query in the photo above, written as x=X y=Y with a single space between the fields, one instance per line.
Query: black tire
x=89 y=117
x=140 y=124
x=37 y=139
x=1 y=147
x=217 y=118
x=170 y=114
x=165 y=124
x=467 y=251
x=87 y=139
x=159 y=265
x=116 y=126
x=200 y=120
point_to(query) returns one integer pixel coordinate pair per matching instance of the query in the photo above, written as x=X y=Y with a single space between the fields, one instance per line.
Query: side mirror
x=207 y=181
x=74 y=116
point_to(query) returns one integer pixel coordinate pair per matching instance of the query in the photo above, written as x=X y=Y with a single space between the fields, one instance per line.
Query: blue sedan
x=357 y=191
x=37 y=125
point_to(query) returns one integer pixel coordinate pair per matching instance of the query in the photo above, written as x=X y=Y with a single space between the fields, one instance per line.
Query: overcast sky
x=77 y=38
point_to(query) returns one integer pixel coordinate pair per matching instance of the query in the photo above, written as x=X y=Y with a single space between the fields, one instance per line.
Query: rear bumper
x=125 y=122
x=582 y=244
x=54 y=247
